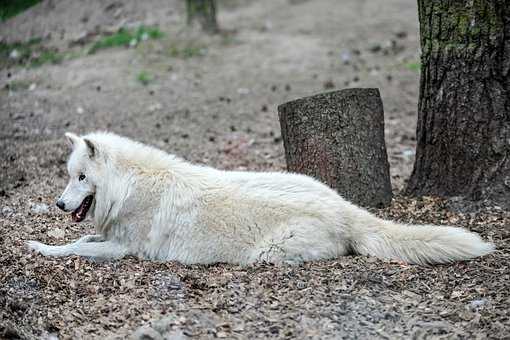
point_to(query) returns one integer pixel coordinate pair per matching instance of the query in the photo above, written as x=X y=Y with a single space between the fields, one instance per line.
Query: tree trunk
x=338 y=138
x=463 y=131
x=203 y=11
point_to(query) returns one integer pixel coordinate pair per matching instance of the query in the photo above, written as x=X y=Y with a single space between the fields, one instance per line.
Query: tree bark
x=203 y=11
x=338 y=138
x=463 y=132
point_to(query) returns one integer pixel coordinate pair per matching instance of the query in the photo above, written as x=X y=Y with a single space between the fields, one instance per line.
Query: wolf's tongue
x=77 y=215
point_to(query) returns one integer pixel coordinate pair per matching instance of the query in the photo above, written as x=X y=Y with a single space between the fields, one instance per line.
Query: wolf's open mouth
x=79 y=214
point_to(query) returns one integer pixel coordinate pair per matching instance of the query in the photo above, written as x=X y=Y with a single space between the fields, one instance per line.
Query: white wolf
x=147 y=203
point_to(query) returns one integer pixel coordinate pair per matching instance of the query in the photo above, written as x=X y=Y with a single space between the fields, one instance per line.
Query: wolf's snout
x=61 y=205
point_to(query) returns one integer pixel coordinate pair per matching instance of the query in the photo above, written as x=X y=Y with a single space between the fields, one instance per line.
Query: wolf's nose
x=61 y=205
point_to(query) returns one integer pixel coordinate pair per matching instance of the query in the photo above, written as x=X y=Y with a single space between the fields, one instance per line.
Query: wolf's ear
x=91 y=148
x=73 y=139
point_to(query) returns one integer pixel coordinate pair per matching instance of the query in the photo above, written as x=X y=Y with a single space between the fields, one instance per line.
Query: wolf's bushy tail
x=418 y=244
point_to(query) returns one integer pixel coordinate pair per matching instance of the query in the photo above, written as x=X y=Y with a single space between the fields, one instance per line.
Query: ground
x=213 y=100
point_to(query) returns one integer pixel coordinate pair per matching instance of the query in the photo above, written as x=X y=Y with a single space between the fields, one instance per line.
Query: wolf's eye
x=81 y=177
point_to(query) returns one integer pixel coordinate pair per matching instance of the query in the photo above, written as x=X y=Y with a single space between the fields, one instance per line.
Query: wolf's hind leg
x=99 y=250
x=297 y=243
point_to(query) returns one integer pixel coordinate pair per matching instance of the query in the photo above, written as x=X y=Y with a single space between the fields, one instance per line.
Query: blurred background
x=137 y=68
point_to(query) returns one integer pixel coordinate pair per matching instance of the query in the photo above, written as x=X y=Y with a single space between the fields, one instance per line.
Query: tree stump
x=203 y=11
x=338 y=138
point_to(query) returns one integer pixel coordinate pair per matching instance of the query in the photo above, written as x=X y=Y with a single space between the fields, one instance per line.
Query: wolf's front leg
x=85 y=246
x=62 y=250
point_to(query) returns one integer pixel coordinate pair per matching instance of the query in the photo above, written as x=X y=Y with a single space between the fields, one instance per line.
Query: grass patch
x=189 y=50
x=124 y=37
x=18 y=85
x=413 y=66
x=23 y=49
x=47 y=57
x=30 y=53
x=229 y=40
x=144 y=78
x=10 y=8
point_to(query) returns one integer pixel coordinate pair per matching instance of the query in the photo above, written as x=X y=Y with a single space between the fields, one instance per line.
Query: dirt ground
x=219 y=107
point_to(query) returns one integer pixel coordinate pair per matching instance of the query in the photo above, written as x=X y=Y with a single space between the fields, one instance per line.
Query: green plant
x=46 y=57
x=30 y=53
x=11 y=8
x=148 y=32
x=188 y=51
x=23 y=49
x=144 y=78
x=125 y=37
x=18 y=85
x=413 y=66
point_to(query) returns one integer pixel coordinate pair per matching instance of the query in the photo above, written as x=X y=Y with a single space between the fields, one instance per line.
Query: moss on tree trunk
x=463 y=130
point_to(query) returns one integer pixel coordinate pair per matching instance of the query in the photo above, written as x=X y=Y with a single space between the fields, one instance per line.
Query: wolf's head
x=84 y=171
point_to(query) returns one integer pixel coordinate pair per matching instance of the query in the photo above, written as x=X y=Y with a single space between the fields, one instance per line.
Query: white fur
x=156 y=206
